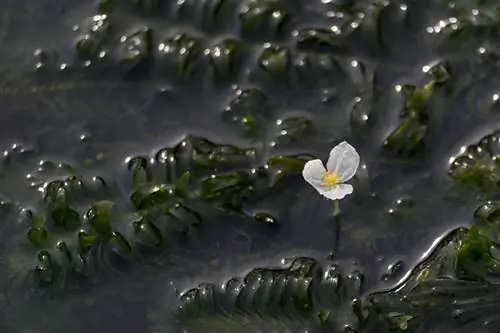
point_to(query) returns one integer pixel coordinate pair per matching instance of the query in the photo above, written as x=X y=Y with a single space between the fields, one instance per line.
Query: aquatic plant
x=217 y=106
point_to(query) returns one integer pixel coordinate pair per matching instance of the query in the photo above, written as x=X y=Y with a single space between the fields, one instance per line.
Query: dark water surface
x=105 y=107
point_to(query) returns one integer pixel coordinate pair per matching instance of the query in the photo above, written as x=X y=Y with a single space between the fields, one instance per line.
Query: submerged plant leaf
x=407 y=139
x=153 y=197
x=452 y=283
x=38 y=236
x=235 y=183
x=62 y=215
x=302 y=295
x=477 y=167
x=182 y=184
x=100 y=216
x=86 y=241
x=473 y=259
x=147 y=233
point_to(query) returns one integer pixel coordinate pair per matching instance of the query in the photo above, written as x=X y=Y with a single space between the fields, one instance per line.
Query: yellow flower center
x=331 y=179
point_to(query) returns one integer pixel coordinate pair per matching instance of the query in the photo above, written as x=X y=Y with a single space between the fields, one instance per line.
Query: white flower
x=341 y=166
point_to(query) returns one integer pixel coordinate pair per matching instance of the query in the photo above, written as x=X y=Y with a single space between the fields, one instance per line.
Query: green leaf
x=183 y=183
x=38 y=236
x=147 y=233
x=218 y=185
x=65 y=217
x=473 y=258
x=86 y=241
x=139 y=176
x=153 y=197
x=39 y=221
x=100 y=216
x=121 y=243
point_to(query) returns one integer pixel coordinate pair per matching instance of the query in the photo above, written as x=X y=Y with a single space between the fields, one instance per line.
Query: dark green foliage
x=408 y=138
x=303 y=295
x=162 y=200
x=275 y=83
x=477 y=167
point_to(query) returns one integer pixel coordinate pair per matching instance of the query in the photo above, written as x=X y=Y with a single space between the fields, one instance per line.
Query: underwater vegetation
x=156 y=156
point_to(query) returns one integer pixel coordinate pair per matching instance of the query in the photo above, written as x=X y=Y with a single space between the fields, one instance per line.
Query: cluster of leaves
x=168 y=200
x=91 y=43
x=65 y=242
x=455 y=287
x=77 y=227
x=176 y=187
x=477 y=167
x=408 y=138
x=457 y=283
x=473 y=21
x=144 y=52
x=182 y=54
x=303 y=296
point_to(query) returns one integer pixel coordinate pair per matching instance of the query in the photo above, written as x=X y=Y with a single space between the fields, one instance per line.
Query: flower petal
x=313 y=173
x=337 y=192
x=343 y=160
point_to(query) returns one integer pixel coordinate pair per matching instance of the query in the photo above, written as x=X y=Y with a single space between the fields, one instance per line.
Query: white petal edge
x=338 y=192
x=313 y=173
x=343 y=160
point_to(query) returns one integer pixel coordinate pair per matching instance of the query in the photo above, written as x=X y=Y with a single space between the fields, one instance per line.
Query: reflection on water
x=150 y=179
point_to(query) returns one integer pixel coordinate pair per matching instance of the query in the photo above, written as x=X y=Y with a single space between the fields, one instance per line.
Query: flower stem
x=336 y=208
x=338 y=228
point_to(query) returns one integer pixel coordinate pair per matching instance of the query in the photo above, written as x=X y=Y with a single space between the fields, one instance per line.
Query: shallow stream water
x=151 y=174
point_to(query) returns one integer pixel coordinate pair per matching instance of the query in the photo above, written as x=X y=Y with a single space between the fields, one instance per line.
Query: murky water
x=151 y=174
